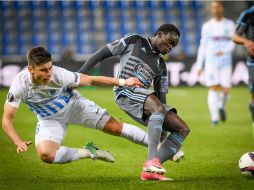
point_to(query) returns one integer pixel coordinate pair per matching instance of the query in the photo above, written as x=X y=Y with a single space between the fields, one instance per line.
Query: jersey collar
x=150 y=45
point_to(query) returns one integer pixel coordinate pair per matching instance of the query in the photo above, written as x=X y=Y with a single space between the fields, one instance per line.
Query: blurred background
x=73 y=30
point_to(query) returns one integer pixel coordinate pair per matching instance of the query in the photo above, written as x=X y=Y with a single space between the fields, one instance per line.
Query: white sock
x=134 y=134
x=65 y=154
x=223 y=98
x=213 y=104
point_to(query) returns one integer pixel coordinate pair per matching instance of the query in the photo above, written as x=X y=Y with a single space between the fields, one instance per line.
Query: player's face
x=166 y=42
x=217 y=9
x=41 y=74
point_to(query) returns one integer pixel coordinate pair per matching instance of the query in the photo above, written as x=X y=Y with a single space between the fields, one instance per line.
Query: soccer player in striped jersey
x=244 y=34
x=141 y=57
x=215 y=51
x=49 y=92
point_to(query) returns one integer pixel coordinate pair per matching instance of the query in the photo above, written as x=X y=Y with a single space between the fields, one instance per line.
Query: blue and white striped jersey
x=44 y=100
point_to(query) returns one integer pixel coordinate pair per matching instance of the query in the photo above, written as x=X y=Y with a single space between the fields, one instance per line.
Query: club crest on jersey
x=143 y=73
x=10 y=97
x=51 y=92
x=31 y=93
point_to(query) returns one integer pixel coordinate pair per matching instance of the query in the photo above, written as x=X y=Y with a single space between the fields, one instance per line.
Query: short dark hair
x=38 y=56
x=167 y=28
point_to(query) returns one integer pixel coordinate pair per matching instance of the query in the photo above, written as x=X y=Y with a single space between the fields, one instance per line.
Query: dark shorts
x=251 y=79
x=132 y=100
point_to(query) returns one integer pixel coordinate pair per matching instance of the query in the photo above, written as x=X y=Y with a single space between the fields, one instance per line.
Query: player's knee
x=225 y=90
x=184 y=130
x=46 y=156
x=113 y=127
x=214 y=88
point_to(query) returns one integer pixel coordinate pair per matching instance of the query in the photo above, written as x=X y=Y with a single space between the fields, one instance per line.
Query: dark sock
x=170 y=146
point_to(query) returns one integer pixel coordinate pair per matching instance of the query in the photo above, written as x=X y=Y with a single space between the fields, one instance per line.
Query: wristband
x=121 y=82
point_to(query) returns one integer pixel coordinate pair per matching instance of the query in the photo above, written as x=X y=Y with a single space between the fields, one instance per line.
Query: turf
x=211 y=162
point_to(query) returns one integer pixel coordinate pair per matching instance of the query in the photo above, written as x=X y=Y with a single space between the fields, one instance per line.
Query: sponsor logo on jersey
x=31 y=93
x=143 y=73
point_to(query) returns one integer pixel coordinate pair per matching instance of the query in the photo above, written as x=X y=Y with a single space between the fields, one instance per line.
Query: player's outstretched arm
x=249 y=45
x=86 y=80
x=96 y=58
x=7 y=123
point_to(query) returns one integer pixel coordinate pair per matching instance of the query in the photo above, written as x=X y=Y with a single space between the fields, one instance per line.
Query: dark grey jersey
x=139 y=59
x=245 y=25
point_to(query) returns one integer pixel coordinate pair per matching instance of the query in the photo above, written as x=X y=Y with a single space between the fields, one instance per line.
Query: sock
x=134 y=134
x=213 y=104
x=251 y=107
x=154 y=133
x=170 y=146
x=65 y=154
x=164 y=135
x=223 y=98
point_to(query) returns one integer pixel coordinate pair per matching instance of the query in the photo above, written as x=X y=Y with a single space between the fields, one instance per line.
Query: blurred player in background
x=142 y=57
x=49 y=92
x=215 y=51
x=244 y=34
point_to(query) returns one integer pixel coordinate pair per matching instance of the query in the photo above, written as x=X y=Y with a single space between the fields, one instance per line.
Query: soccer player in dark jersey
x=142 y=57
x=244 y=34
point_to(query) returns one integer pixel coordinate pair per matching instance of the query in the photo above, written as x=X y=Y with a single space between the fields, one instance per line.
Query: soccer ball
x=246 y=165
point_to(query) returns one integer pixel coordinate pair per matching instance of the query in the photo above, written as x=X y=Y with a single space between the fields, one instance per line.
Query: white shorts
x=79 y=111
x=218 y=77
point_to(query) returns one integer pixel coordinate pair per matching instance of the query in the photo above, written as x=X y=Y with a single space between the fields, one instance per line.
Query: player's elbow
x=85 y=80
x=234 y=38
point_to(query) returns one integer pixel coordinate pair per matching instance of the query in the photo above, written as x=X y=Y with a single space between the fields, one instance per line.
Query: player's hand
x=133 y=81
x=249 y=45
x=219 y=53
x=23 y=146
x=200 y=71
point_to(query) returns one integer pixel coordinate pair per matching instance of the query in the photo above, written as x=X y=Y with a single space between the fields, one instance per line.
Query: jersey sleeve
x=161 y=84
x=120 y=46
x=67 y=78
x=15 y=93
x=201 y=49
x=241 y=24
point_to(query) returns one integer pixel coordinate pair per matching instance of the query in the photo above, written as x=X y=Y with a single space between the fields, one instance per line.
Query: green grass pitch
x=211 y=161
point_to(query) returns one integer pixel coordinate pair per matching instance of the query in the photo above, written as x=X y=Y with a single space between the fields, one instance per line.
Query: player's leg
x=223 y=98
x=212 y=81
x=225 y=82
x=179 y=131
x=89 y=114
x=50 y=134
x=212 y=100
x=158 y=117
x=128 y=131
x=138 y=118
x=155 y=111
